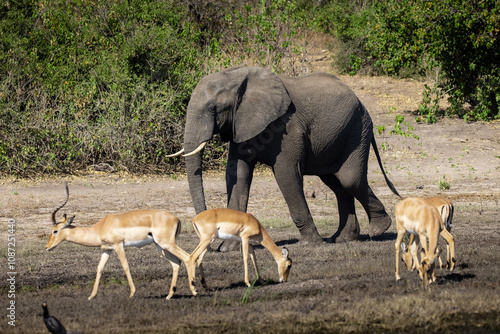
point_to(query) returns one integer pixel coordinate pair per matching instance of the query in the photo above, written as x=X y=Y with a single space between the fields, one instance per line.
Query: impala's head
x=284 y=266
x=427 y=267
x=406 y=256
x=55 y=234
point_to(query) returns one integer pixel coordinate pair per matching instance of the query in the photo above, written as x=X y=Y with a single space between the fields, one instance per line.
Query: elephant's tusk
x=175 y=154
x=202 y=145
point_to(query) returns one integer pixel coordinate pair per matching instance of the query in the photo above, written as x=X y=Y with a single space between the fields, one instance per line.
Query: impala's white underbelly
x=226 y=236
x=139 y=243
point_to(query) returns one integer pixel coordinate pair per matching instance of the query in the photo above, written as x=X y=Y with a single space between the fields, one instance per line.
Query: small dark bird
x=53 y=325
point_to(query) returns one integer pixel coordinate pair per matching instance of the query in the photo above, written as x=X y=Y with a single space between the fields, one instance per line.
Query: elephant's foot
x=311 y=236
x=343 y=236
x=379 y=225
x=348 y=231
x=228 y=246
x=310 y=239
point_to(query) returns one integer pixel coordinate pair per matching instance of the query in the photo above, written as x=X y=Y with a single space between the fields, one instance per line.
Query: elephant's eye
x=212 y=109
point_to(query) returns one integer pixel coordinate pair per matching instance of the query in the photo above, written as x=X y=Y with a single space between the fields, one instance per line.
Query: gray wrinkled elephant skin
x=308 y=125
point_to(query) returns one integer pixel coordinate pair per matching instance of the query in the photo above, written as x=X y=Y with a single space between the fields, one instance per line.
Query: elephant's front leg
x=290 y=182
x=239 y=174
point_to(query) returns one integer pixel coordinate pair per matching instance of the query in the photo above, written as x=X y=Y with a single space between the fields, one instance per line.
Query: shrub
x=85 y=83
x=259 y=33
x=459 y=38
x=348 y=22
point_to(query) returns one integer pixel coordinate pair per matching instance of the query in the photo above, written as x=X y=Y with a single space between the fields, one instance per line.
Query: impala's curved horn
x=202 y=145
x=59 y=208
x=175 y=154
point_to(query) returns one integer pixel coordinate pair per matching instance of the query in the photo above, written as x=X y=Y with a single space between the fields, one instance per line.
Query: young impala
x=235 y=225
x=117 y=231
x=419 y=217
x=445 y=208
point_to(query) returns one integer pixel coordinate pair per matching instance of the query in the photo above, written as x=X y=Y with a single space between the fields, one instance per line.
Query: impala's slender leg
x=176 y=263
x=120 y=251
x=449 y=258
x=100 y=267
x=423 y=243
x=399 y=239
x=451 y=248
x=414 y=240
x=200 y=249
x=244 y=248
x=254 y=261
x=200 y=267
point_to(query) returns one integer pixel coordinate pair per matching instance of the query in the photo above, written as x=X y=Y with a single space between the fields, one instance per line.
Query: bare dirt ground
x=344 y=288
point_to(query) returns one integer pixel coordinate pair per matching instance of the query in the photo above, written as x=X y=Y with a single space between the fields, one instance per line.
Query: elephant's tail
x=389 y=183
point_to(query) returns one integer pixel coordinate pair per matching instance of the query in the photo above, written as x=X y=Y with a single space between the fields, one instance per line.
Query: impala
x=117 y=231
x=445 y=208
x=419 y=217
x=235 y=225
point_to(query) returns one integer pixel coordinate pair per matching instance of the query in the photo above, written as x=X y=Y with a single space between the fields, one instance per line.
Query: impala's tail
x=389 y=183
x=178 y=229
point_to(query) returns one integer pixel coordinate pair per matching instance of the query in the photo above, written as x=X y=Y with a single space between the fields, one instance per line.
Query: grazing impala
x=445 y=208
x=235 y=225
x=117 y=231
x=419 y=217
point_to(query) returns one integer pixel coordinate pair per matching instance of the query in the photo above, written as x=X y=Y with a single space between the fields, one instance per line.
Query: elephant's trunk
x=195 y=180
x=199 y=129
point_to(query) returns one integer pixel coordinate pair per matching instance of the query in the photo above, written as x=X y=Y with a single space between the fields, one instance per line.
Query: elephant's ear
x=262 y=98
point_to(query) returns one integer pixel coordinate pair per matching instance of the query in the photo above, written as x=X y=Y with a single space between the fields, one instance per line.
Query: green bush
x=348 y=22
x=458 y=38
x=85 y=83
x=260 y=33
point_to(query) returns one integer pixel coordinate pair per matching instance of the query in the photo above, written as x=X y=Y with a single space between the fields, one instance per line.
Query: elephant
x=306 y=125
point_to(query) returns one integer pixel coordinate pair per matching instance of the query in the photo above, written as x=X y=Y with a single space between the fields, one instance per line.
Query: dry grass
x=345 y=288
x=339 y=288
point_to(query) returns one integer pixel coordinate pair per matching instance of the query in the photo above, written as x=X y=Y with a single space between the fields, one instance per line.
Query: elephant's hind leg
x=348 y=222
x=380 y=220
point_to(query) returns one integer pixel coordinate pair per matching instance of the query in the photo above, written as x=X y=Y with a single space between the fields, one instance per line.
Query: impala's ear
x=69 y=222
x=284 y=251
x=403 y=247
x=261 y=99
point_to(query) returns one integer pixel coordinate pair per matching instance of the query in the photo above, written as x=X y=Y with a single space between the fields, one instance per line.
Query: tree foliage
x=456 y=41
x=85 y=82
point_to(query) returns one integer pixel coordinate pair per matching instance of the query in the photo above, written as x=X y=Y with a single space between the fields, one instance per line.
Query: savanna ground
x=345 y=288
